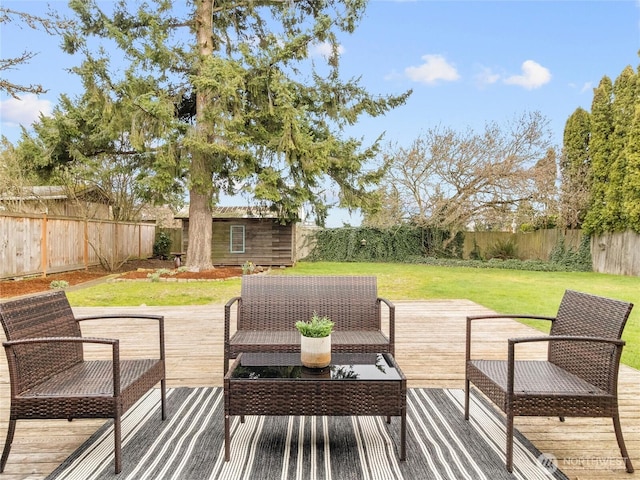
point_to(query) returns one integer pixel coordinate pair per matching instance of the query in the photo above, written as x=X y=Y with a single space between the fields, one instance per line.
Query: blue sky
x=468 y=62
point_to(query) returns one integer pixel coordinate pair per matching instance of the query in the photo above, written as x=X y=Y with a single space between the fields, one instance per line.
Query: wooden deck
x=429 y=349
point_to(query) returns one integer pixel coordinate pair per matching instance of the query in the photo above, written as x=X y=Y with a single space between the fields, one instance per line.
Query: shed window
x=236 y=244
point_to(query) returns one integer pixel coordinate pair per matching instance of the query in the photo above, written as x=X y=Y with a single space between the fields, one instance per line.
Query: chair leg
x=163 y=396
x=466 y=399
x=509 y=462
x=623 y=448
x=7 y=444
x=117 y=438
x=227 y=439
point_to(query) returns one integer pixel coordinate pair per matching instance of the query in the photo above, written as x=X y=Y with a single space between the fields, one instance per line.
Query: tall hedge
x=396 y=244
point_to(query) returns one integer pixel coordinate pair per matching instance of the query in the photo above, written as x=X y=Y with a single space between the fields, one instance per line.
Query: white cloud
x=533 y=76
x=24 y=111
x=487 y=76
x=434 y=68
x=587 y=87
x=394 y=75
x=325 y=50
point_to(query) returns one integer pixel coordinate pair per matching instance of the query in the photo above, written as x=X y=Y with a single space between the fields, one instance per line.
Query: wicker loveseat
x=50 y=379
x=269 y=306
x=579 y=378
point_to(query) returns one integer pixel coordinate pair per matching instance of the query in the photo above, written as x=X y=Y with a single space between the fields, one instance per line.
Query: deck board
x=429 y=349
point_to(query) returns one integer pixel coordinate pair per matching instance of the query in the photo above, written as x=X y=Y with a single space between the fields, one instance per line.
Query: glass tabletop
x=344 y=366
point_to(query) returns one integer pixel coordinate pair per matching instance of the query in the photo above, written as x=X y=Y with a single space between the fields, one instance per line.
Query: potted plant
x=315 y=341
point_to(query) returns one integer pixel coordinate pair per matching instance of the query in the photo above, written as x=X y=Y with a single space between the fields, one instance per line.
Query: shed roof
x=233 y=212
x=52 y=192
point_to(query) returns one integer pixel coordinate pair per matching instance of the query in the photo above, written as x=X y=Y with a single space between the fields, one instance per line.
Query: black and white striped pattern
x=189 y=445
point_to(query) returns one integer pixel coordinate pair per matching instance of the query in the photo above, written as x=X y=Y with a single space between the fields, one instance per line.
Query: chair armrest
x=531 y=317
x=121 y=315
x=26 y=341
x=512 y=342
x=159 y=318
x=392 y=321
x=566 y=338
x=471 y=318
x=227 y=317
x=115 y=352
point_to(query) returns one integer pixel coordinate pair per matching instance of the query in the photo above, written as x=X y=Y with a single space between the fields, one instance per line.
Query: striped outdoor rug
x=189 y=445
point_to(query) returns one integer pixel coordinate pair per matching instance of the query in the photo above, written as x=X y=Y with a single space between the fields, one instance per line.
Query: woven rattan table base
x=321 y=396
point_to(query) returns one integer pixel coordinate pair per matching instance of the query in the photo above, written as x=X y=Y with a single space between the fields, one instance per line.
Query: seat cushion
x=289 y=340
x=535 y=377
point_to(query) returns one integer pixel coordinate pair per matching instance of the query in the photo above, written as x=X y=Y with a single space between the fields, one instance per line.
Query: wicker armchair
x=50 y=378
x=579 y=377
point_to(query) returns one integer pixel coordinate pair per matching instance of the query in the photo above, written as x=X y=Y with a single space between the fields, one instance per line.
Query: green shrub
x=58 y=284
x=509 y=264
x=154 y=277
x=162 y=246
x=503 y=249
x=397 y=244
x=577 y=260
x=475 y=253
x=248 y=268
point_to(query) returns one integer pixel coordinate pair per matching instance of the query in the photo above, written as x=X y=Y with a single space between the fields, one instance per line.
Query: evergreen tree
x=91 y=140
x=596 y=220
x=267 y=122
x=623 y=109
x=575 y=169
x=631 y=185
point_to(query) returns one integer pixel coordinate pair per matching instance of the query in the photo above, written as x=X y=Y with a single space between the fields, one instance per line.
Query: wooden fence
x=617 y=253
x=33 y=244
x=536 y=245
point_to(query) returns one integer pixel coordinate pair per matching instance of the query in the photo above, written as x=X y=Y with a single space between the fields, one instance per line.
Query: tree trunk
x=200 y=231
x=201 y=189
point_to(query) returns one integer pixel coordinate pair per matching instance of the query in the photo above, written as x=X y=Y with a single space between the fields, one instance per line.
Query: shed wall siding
x=266 y=242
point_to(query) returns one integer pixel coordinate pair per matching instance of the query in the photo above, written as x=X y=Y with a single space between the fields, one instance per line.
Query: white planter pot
x=315 y=352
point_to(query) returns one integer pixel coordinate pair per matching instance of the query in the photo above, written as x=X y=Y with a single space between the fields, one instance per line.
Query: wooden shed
x=242 y=234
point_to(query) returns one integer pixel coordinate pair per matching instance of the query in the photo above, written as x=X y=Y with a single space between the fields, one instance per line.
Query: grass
x=505 y=291
x=162 y=294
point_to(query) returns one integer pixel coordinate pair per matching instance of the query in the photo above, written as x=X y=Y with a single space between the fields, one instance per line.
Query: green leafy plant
x=58 y=284
x=398 y=244
x=248 y=268
x=503 y=249
x=573 y=259
x=317 y=327
x=154 y=277
x=476 y=253
x=162 y=246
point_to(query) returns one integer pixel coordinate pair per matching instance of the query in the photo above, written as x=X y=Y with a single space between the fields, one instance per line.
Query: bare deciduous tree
x=51 y=24
x=13 y=176
x=452 y=179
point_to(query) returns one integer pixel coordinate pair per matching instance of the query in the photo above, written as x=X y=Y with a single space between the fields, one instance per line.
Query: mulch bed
x=137 y=269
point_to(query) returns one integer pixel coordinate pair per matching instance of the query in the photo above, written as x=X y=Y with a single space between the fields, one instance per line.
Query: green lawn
x=505 y=291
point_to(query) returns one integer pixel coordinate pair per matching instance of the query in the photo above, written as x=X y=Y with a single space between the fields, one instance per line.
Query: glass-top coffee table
x=278 y=384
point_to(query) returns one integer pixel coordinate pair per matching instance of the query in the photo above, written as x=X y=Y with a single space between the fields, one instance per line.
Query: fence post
x=85 y=246
x=43 y=246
